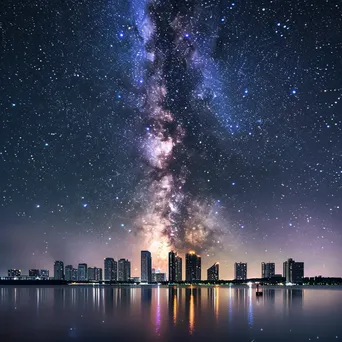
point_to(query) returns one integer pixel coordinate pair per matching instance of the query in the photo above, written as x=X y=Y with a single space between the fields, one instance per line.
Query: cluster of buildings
x=32 y=275
x=113 y=271
x=120 y=270
x=293 y=271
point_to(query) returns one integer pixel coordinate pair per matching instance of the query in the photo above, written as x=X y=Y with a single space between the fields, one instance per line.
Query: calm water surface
x=75 y=313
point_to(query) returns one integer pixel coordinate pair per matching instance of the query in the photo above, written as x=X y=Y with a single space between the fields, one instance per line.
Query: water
x=75 y=313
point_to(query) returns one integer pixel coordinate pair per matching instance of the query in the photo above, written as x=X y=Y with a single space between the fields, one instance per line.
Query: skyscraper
x=58 y=269
x=293 y=271
x=146 y=267
x=74 y=274
x=68 y=272
x=110 y=269
x=124 y=270
x=213 y=272
x=175 y=267
x=91 y=273
x=98 y=273
x=240 y=271
x=193 y=267
x=267 y=270
x=94 y=274
x=179 y=268
x=82 y=272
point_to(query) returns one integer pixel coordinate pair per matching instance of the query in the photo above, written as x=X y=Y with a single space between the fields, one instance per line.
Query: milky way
x=174 y=215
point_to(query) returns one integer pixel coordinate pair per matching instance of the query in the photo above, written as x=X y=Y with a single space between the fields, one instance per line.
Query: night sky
x=196 y=124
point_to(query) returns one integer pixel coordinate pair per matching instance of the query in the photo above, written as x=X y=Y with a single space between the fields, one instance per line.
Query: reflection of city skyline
x=187 y=307
x=190 y=301
x=293 y=298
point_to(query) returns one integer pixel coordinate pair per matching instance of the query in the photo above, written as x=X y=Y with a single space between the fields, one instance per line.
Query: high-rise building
x=267 y=269
x=98 y=273
x=74 y=274
x=146 y=267
x=172 y=266
x=179 y=268
x=14 y=272
x=240 y=271
x=293 y=271
x=58 y=270
x=68 y=272
x=82 y=272
x=34 y=273
x=193 y=267
x=124 y=270
x=94 y=274
x=175 y=267
x=213 y=272
x=110 y=269
x=44 y=274
x=91 y=273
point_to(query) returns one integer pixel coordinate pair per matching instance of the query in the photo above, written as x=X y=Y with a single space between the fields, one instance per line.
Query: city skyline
x=193 y=270
x=226 y=268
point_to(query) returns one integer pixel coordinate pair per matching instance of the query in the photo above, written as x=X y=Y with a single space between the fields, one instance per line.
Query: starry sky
x=211 y=125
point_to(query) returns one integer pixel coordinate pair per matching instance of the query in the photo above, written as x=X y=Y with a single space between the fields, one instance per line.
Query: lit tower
x=193 y=267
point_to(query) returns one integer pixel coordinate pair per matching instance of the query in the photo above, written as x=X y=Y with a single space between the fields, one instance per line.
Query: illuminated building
x=74 y=274
x=267 y=269
x=82 y=272
x=175 y=267
x=68 y=272
x=157 y=276
x=14 y=273
x=293 y=271
x=110 y=269
x=160 y=277
x=213 y=272
x=34 y=273
x=146 y=267
x=193 y=267
x=179 y=268
x=44 y=274
x=94 y=274
x=124 y=270
x=91 y=273
x=58 y=270
x=98 y=273
x=240 y=271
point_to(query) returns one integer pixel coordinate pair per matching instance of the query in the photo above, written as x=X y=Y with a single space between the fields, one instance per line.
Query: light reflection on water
x=82 y=313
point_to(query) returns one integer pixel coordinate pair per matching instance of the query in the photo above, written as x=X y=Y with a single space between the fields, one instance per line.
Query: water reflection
x=158 y=312
x=269 y=295
x=173 y=303
x=251 y=295
x=168 y=314
x=193 y=298
x=293 y=298
x=213 y=294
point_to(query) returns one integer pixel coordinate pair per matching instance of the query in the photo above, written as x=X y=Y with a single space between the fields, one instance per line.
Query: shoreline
x=55 y=283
